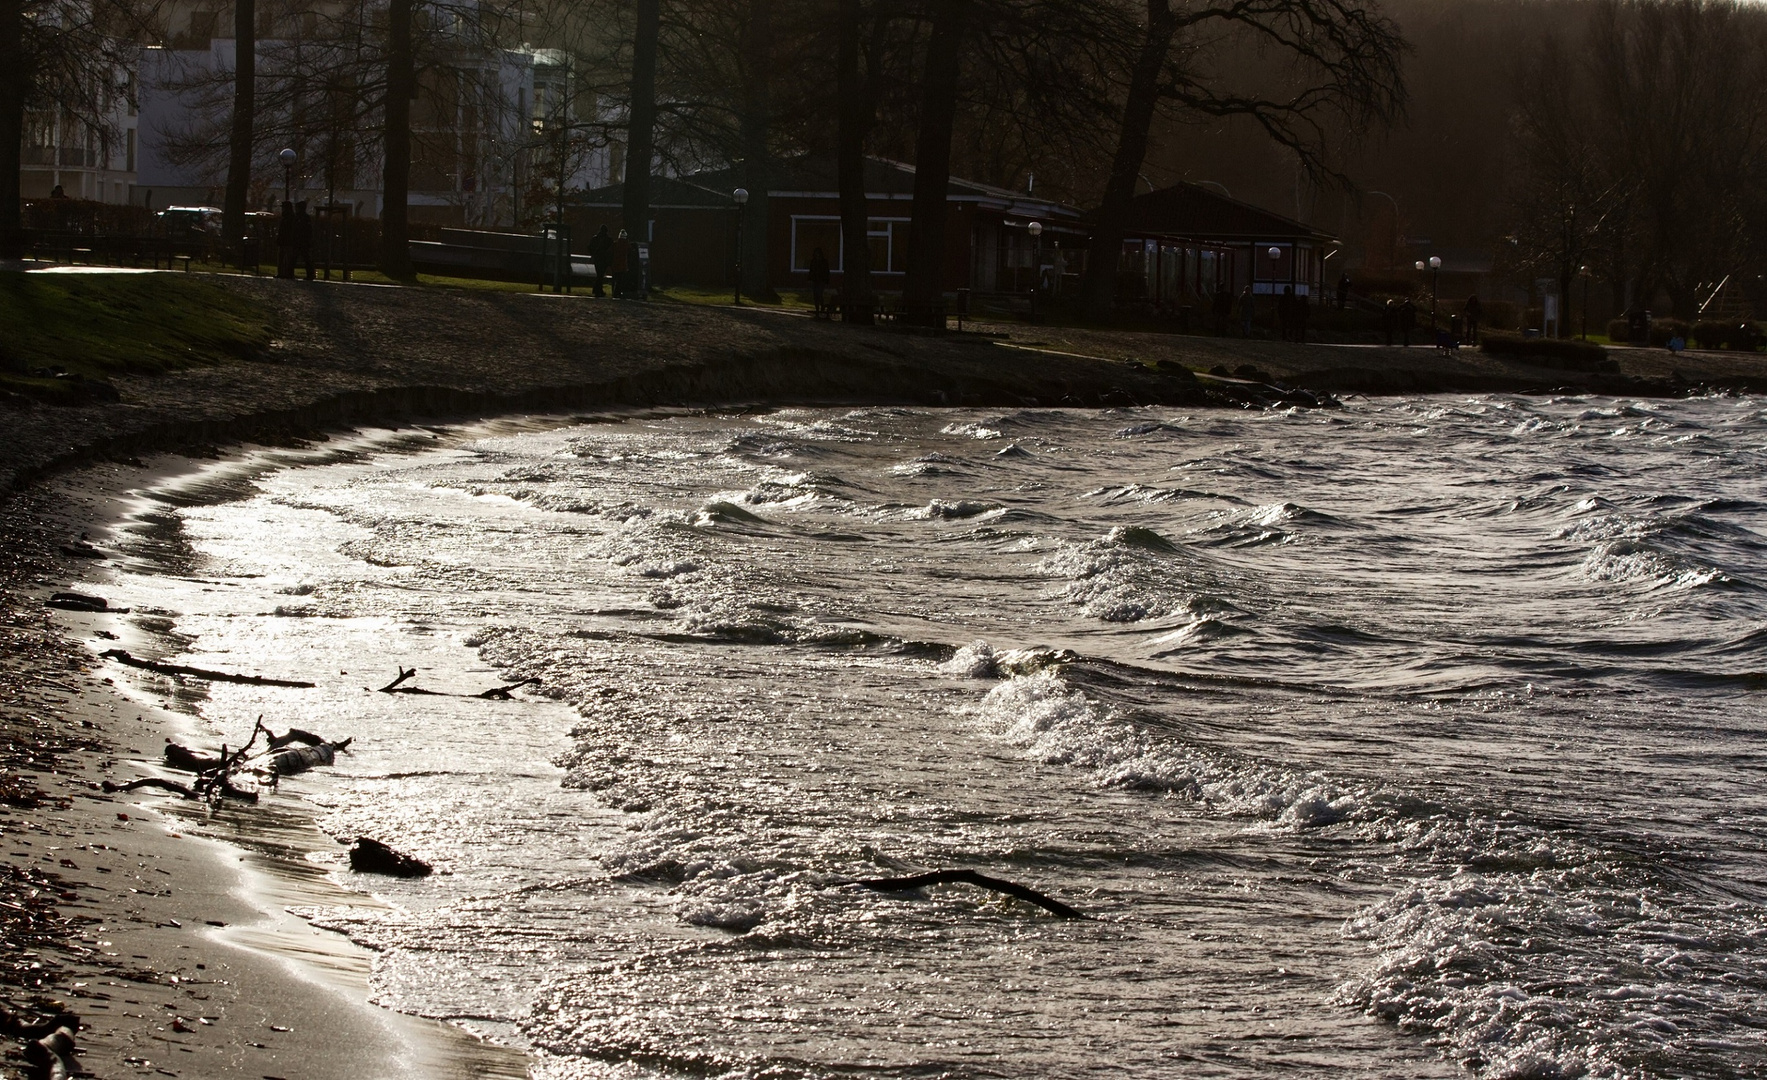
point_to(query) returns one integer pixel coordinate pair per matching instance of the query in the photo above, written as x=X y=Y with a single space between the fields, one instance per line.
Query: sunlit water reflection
x=1381 y=741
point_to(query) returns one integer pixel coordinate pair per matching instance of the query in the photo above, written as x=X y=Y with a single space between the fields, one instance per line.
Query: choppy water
x=1386 y=741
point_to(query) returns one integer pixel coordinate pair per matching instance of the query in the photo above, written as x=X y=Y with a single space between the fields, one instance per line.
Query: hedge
x=1568 y=354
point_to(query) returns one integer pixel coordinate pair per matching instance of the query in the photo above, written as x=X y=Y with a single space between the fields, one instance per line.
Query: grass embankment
x=63 y=336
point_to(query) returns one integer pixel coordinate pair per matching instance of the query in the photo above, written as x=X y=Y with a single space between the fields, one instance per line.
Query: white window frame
x=875 y=227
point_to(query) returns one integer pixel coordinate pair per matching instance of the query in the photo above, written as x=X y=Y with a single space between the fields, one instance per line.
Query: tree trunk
x=757 y=171
x=856 y=117
x=641 y=122
x=1098 y=291
x=239 y=145
x=12 y=125
x=925 y=284
x=395 y=246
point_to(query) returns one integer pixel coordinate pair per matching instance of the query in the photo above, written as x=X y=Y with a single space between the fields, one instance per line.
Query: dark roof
x=1195 y=212
x=815 y=176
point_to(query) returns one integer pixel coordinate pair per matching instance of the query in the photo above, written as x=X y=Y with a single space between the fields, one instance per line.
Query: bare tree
x=641 y=118
x=1340 y=61
x=245 y=86
x=1681 y=93
x=68 y=57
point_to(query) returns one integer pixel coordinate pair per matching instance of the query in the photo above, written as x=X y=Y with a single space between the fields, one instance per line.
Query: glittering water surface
x=1387 y=741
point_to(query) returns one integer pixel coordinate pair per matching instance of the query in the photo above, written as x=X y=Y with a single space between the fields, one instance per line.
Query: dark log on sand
x=969 y=877
x=74 y=601
x=122 y=656
x=302 y=758
x=185 y=759
x=370 y=856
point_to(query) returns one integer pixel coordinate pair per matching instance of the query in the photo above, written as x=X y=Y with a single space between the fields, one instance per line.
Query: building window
x=887 y=238
x=808 y=234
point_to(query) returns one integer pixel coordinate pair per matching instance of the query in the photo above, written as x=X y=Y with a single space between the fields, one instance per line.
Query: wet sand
x=174 y=940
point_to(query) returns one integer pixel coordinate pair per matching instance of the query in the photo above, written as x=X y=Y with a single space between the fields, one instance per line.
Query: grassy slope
x=99 y=326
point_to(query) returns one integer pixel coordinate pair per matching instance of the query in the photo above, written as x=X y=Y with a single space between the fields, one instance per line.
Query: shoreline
x=348 y=355
x=179 y=949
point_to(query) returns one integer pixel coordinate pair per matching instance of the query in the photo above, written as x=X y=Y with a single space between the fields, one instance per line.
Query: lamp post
x=288 y=160
x=1435 y=267
x=1035 y=228
x=740 y=197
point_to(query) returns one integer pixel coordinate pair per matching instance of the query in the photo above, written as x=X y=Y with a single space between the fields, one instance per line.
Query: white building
x=484 y=128
x=86 y=160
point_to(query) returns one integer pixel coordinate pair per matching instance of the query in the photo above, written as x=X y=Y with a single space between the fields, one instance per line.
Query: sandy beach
x=166 y=928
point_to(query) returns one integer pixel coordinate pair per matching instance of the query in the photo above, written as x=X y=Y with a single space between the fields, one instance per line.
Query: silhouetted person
x=1389 y=317
x=818 y=277
x=1246 y=305
x=303 y=240
x=1285 y=313
x=285 y=241
x=1222 y=306
x=1474 y=313
x=601 y=252
x=621 y=260
x=57 y=193
x=1407 y=319
x=1343 y=292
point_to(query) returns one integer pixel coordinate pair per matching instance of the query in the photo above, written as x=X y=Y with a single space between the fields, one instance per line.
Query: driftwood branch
x=150 y=782
x=295 y=735
x=122 y=656
x=394 y=688
x=288 y=762
x=496 y=693
x=969 y=877
x=501 y=693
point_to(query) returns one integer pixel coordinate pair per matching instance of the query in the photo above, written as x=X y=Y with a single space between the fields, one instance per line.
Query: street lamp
x=1035 y=228
x=741 y=198
x=288 y=160
x=1435 y=267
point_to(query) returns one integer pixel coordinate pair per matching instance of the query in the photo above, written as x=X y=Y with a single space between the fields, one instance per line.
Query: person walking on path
x=601 y=250
x=303 y=240
x=818 y=278
x=621 y=260
x=1343 y=292
x=1222 y=306
x=1474 y=312
x=285 y=241
x=1246 y=304
x=1407 y=319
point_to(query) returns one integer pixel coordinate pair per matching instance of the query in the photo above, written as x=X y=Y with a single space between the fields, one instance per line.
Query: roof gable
x=1186 y=209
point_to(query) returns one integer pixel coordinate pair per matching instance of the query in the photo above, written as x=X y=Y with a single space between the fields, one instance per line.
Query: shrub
x=1502 y=315
x=1619 y=330
x=1743 y=336
x=1564 y=353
